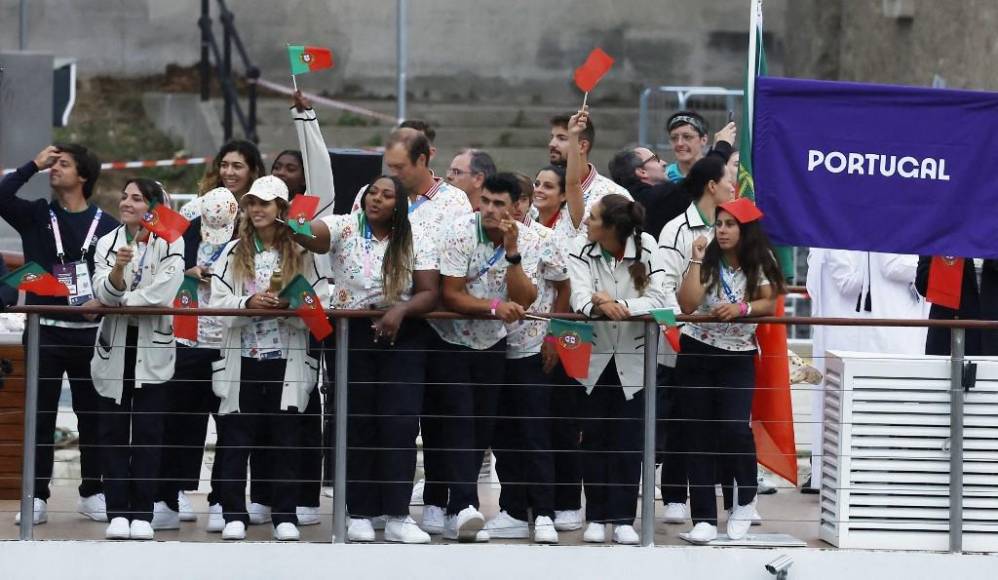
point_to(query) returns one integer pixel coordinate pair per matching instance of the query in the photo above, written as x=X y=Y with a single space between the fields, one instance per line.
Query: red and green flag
x=301 y=213
x=33 y=279
x=307 y=305
x=574 y=343
x=186 y=325
x=746 y=181
x=597 y=64
x=667 y=320
x=306 y=59
x=166 y=223
x=945 y=281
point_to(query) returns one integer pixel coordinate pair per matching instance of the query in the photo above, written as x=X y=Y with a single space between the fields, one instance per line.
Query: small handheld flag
x=597 y=64
x=301 y=212
x=33 y=279
x=667 y=320
x=574 y=343
x=307 y=305
x=186 y=325
x=306 y=59
x=164 y=222
x=945 y=281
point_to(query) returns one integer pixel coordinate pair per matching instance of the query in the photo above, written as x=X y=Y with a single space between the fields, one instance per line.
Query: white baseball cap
x=267 y=188
x=218 y=215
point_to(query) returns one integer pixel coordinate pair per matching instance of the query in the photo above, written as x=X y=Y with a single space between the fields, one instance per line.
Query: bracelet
x=696 y=262
x=743 y=309
x=748 y=310
x=494 y=306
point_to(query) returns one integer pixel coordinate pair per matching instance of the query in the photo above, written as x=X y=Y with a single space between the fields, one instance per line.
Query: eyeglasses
x=455 y=172
x=654 y=158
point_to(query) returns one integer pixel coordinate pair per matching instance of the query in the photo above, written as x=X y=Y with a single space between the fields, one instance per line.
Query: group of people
x=500 y=248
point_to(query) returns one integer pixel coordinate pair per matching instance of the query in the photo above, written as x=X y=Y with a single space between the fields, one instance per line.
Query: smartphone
x=731 y=116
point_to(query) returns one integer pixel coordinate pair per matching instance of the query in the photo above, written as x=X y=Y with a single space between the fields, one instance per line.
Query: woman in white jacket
x=133 y=357
x=267 y=372
x=616 y=273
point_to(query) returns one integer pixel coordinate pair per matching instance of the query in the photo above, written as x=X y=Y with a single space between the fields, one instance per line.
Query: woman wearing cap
x=235 y=167
x=380 y=263
x=616 y=273
x=734 y=276
x=267 y=371
x=133 y=357
x=192 y=399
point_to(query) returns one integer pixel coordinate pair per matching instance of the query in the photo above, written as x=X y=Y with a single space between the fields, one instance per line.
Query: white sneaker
x=118 y=529
x=544 y=532
x=39 y=514
x=675 y=513
x=379 y=522
x=93 y=507
x=258 y=513
x=235 y=530
x=754 y=514
x=434 y=519
x=702 y=533
x=405 y=530
x=507 y=527
x=417 y=493
x=481 y=537
x=595 y=533
x=307 y=516
x=568 y=520
x=141 y=530
x=625 y=535
x=216 y=521
x=163 y=518
x=286 y=532
x=360 y=530
x=187 y=513
x=739 y=522
x=464 y=526
x=763 y=485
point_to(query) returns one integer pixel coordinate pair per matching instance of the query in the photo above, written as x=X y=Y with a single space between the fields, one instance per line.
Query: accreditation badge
x=76 y=277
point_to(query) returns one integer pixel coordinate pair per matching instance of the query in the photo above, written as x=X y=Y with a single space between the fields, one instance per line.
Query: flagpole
x=584 y=100
x=755 y=21
x=294 y=82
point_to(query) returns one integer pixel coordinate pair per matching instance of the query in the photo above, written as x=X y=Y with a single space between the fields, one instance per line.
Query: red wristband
x=495 y=305
x=743 y=308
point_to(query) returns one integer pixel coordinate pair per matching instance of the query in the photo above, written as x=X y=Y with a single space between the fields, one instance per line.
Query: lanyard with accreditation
x=75 y=275
x=496 y=256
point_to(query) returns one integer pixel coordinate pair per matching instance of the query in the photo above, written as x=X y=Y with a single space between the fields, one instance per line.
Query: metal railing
x=655 y=110
x=649 y=419
x=219 y=61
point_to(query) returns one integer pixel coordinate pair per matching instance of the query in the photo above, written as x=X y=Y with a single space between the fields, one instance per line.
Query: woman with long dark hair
x=379 y=262
x=133 y=357
x=732 y=277
x=616 y=273
x=267 y=370
x=235 y=167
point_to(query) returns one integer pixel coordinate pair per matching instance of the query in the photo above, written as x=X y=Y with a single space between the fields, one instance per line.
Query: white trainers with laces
x=258 y=513
x=739 y=522
x=360 y=530
x=675 y=513
x=216 y=521
x=568 y=520
x=544 y=532
x=507 y=527
x=286 y=532
x=40 y=512
x=235 y=530
x=164 y=518
x=187 y=513
x=118 y=529
x=307 y=516
x=465 y=525
x=404 y=530
x=434 y=519
x=141 y=530
x=93 y=507
x=595 y=533
x=702 y=533
x=625 y=535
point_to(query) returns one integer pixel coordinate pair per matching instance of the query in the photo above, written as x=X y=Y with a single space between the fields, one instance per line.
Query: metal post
x=205 y=66
x=30 y=429
x=643 y=120
x=227 y=72
x=22 y=31
x=402 y=56
x=648 y=454
x=340 y=478
x=957 y=336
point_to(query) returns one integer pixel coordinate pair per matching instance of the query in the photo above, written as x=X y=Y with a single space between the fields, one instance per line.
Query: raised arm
x=575 y=166
x=315 y=156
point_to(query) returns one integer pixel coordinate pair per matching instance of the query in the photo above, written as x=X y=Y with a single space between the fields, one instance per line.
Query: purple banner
x=877 y=167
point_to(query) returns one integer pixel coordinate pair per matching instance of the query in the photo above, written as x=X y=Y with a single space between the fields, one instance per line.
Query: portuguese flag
x=667 y=320
x=307 y=305
x=33 y=279
x=574 y=343
x=301 y=212
x=164 y=222
x=186 y=325
x=305 y=59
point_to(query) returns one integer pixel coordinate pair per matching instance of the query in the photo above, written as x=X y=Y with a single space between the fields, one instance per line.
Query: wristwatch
x=514 y=259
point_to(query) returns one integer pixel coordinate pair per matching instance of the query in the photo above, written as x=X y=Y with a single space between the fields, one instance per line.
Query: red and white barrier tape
x=116 y=165
x=320 y=100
